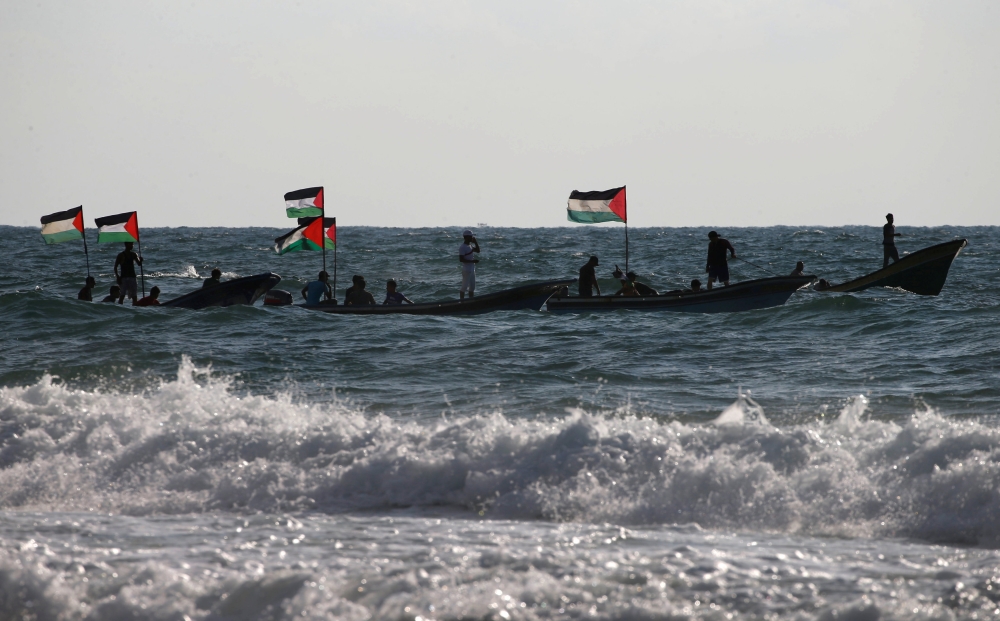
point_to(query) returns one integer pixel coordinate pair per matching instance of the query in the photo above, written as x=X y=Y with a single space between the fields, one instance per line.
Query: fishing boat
x=741 y=296
x=246 y=290
x=922 y=272
x=531 y=297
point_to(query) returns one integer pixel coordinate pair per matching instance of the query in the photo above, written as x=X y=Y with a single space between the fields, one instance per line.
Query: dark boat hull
x=742 y=296
x=244 y=290
x=531 y=297
x=922 y=272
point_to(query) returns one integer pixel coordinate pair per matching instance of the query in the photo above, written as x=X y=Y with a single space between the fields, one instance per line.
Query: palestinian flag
x=329 y=231
x=601 y=206
x=304 y=203
x=123 y=227
x=313 y=234
x=63 y=226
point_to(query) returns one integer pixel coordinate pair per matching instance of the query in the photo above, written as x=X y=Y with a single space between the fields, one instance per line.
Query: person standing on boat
x=717 y=265
x=316 y=290
x=126 y=260
x=588 y=279
x=466 y=256
x=889 y=236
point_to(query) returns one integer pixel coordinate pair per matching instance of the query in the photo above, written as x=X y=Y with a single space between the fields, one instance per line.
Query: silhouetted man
x=717 y=265
x=126 y=260
x=889 y=236
x=588 y=279
x=86 y=294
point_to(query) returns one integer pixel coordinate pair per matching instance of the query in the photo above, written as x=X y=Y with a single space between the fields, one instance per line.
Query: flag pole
x=85 y=251
x=138 y=240
x=335 y=232
x=626 y=228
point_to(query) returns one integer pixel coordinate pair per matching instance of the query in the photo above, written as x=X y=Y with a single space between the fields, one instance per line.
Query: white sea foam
x=191 y=446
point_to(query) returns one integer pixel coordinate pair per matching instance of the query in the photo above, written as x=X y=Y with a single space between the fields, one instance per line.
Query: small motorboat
x=922 y=272
x=531 y=297
x=741 y=296
x=246 y=290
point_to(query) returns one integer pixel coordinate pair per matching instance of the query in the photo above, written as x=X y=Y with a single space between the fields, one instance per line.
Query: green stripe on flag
x=592 y=217
x=303 y=212
x=114 y=236
x=299 y=245
x=62 y=236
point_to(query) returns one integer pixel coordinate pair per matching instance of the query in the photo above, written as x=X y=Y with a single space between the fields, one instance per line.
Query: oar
x=757 y=266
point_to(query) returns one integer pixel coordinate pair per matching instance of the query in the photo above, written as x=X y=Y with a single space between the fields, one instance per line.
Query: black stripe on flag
x=115 y=219
x=599 y=195
x=327 y=222
x=298 y=195
x=59 y=216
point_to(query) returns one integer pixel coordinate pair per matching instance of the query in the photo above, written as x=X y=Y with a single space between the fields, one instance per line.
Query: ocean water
x=834 y=458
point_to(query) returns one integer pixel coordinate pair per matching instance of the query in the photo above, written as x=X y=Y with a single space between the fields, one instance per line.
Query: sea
x=835 y=458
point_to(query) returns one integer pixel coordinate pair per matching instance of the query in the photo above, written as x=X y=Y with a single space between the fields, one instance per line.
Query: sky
x=448 y=113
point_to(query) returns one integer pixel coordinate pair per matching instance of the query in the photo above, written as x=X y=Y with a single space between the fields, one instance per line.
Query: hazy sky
x=456 y=113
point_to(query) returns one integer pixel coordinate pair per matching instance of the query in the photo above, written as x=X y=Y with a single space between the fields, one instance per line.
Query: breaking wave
x=191 y=446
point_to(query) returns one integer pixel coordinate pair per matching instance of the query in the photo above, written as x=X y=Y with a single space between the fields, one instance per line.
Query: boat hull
x=742 y=296
x=527 y=297
x=246 y=290
x=922 y=272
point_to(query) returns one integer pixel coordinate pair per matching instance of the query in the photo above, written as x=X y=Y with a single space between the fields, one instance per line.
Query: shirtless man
x=126 y=260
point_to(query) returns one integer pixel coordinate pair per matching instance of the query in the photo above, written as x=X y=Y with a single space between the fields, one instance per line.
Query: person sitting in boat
x=317 y=290
x=215 y=280
x=889 y=236
x=717 y=265
x=358 y=296
x=695 y=285
x=113 y=294
x=628 y=289
x=151 y=299
x=86 y=294
x=822 y=285
x=588 y=279
x=392 y=296
x=632 y=277
x=799 y=270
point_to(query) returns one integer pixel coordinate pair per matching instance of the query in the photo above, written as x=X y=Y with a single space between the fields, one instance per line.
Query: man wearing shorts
x=466 y=256
x=126 y=260
x=718 y=266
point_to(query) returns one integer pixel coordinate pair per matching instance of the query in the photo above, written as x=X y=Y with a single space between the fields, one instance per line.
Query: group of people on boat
x=126 y=284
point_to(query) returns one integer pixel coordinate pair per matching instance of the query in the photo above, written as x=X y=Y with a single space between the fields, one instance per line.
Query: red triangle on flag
x=132 y=226
x=318 y=201
x=331 y=231
x=617 y=205
x=314 y=232
x=78 y=221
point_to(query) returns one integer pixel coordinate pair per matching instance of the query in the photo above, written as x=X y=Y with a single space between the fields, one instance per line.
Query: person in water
x=588 y=279
x=214 y=281
x=151 y=299
x=359 y=297
x=889 y=236
x=717 y=265
x=799 y=270
x=317 y=290
x=113 y=294
x=392 y=296
x=86 y=294
x=466 y=252
x=126 y=261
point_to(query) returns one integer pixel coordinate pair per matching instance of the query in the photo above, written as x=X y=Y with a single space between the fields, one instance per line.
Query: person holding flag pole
x=315 y=232
x=124 y=227
x=599 y=206
x=64 y=226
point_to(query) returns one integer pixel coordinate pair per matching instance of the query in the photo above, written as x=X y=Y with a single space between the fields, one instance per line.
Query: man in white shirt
x=466 y=256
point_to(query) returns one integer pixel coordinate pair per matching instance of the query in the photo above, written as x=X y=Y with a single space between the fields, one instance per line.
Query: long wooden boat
x=531 y=296
x=246 y=290
x=922 y=272
x=742 y=296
